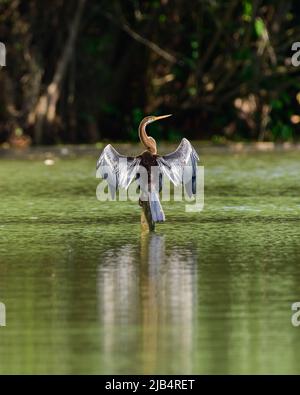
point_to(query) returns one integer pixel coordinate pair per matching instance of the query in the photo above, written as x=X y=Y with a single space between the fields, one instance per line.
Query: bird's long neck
x=147 y=141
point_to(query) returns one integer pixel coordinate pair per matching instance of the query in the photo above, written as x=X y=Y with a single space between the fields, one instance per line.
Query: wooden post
x=146 y=218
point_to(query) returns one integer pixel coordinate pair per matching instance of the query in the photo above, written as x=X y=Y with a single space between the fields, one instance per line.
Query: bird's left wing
x=180 y=166
x=117 y=169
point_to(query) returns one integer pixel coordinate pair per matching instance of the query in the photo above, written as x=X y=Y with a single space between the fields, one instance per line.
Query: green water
x=210 y=292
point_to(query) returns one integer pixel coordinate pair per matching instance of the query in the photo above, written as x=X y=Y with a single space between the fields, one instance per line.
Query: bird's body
x=148 y=160
x=179 y=167
x=151 y=188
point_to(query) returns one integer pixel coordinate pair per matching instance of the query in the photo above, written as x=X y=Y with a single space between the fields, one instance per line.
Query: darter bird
x=179 y=167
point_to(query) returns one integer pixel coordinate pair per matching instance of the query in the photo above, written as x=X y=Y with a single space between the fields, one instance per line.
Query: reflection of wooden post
x=146 y=218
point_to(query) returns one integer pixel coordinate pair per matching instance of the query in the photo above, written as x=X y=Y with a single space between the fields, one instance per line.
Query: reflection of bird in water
x=147 y=304
x=179 y=167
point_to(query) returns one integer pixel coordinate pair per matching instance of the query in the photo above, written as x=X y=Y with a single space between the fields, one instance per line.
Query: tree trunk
x=45 y=111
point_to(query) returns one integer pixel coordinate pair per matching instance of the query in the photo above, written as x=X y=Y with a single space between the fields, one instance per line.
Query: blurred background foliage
x=83 y=71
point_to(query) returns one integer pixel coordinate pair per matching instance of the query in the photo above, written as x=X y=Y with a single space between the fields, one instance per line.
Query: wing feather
x=180 y=166
x=118 y=170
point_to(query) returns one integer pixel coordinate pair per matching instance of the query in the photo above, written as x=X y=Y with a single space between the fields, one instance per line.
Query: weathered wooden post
x=147 y=223
x=2 y=55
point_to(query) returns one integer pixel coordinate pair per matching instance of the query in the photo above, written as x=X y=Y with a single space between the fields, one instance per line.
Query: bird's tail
x=156 y=209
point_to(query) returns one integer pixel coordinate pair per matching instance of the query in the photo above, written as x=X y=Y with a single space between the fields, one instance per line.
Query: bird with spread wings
x=179 y=167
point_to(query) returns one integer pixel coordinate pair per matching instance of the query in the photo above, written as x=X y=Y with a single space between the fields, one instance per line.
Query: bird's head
x=153 y=118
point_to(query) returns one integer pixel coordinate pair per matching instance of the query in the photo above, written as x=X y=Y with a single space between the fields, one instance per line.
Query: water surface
x=209 y=292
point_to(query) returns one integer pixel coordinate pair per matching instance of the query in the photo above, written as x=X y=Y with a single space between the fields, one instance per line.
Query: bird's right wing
x=118 y=170
x=180 y=166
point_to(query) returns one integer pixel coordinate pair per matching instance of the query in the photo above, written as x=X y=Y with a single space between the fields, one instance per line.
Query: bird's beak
x=162 y=116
